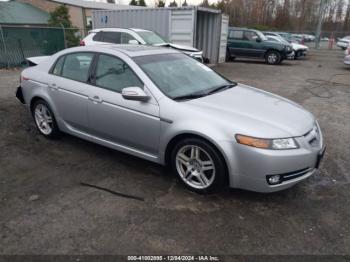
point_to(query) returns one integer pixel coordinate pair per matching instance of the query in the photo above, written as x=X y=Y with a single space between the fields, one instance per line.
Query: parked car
x=248 y=43
x=135 y=36
x=347 y=56
x=161 y=105
x=298 y=49
x=344 y=42
x=281 y=40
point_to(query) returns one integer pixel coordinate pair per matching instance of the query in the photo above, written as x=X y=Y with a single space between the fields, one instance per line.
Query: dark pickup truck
x=248 y=43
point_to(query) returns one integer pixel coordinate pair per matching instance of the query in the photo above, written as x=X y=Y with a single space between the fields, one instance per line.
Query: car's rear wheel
x=273 y=57
x=199 y=165
x=44 y=119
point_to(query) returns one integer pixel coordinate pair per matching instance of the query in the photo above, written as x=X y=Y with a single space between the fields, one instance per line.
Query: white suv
x=135 y=36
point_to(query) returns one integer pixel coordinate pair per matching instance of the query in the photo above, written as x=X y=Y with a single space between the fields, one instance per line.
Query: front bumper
x=250 y=167
x=291 y=55
x=302 y=52
x=343 y=44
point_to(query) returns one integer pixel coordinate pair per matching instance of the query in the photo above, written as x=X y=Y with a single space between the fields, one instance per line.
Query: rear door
x=236 y=44
x=69 y=90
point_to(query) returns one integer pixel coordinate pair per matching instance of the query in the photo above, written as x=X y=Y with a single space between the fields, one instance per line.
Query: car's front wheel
x=199 y=165
x=44 y=119
x=273 y=57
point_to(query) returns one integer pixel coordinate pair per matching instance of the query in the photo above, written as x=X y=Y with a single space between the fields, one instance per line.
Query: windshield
x=151 y=38
x=178 y=75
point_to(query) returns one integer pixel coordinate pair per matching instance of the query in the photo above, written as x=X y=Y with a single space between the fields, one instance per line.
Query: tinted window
x=97 y=36
x=236 y=34
x=111 y=37
x=76 y=66
x=125 y=38
x=58 y=66
x=114 y=74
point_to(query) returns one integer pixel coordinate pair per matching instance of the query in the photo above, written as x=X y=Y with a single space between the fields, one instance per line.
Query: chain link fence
x=19 y=42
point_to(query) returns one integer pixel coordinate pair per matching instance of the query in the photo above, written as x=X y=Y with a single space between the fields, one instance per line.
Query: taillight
x=23 y=78
x=82 y=43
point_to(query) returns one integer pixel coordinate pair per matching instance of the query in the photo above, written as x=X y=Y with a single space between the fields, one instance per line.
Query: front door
x=133 y=125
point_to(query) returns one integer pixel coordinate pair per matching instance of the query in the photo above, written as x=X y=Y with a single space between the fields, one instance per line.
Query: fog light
x=274 y=179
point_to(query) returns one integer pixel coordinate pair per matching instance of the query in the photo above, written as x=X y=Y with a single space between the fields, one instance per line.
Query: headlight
x=276 y=144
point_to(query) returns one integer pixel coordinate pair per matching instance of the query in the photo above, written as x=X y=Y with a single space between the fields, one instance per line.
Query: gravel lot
x=45 y=210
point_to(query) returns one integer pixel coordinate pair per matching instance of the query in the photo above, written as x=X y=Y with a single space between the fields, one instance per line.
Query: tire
x=199 y=166
x=344 y=48
x=297 y=54
x=273 y=57
x=44 y=119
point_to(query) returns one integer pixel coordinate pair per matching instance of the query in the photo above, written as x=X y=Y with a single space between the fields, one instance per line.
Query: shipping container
x=203 y=28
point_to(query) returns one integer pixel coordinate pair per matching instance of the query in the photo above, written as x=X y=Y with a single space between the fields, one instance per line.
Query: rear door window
x=111 y=37
x=57 y=70
x=236 y=34
x=97 y=37
x=76 y=66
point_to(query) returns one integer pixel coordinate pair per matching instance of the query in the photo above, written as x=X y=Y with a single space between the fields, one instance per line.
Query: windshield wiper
x=190 y=96
x=211 y=91
x=220 y=88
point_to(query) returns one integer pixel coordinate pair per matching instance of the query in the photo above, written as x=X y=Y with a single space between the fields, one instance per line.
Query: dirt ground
x=45 y=210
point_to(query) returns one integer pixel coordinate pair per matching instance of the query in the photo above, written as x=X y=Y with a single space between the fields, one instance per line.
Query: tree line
x=288 y=15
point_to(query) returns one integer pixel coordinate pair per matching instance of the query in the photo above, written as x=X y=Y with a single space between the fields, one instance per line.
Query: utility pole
x=319 y=23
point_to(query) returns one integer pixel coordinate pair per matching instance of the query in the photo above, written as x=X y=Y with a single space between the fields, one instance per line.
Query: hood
x=256 y=113
x=299 y=46
x=179 y=47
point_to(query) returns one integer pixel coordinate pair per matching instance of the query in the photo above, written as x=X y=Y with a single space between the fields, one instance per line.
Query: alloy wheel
x=195 y=166
x=43 y=119
x=272 y=58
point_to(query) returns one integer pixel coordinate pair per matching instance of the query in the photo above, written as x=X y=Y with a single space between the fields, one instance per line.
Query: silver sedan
x=163 y=106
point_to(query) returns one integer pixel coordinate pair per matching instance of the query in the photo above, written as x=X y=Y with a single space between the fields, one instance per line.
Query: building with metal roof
x=17 y=13
x=80 y=11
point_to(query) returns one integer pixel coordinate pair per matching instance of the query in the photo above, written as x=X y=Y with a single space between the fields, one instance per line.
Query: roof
x=95 y=5
x=117 y=29
x=13 y=12
x=129 y=50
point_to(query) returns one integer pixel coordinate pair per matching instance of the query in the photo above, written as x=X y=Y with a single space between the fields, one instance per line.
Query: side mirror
x=134 y=93
x=258 y=40
x=133 y=42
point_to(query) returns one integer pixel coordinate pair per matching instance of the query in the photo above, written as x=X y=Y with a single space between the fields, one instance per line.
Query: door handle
x=96 y=99
x=53 y=87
